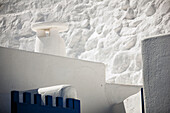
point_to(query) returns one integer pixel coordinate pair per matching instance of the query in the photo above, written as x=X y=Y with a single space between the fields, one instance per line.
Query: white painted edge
x=128 y=85
x=155 y=36
x=31 y=52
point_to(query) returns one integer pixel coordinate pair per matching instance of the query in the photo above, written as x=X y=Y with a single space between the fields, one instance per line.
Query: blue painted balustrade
x=72 y=105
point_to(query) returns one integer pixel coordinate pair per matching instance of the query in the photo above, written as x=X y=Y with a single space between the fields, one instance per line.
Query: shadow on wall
x=118 y=108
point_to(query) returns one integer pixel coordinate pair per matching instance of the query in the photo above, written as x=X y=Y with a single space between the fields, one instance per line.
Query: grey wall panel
x=156 y=73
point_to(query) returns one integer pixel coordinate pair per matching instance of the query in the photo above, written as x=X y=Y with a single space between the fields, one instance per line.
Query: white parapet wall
x=156 y=73
x=21 y=70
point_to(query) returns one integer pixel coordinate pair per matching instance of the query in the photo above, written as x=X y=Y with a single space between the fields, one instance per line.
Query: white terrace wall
x=108 y=31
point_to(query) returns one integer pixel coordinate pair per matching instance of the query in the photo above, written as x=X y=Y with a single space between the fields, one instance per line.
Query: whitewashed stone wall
x=108 y=31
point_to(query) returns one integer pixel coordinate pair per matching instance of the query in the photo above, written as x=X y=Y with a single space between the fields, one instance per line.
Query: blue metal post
x=69 y=103
x=37 y=99
x=27 y=97
x=77 y=105
x=48 y=100
x=14 y=100
x=59 y=101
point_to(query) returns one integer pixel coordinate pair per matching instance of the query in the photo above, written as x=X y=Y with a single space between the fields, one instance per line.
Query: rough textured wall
x=108 y=31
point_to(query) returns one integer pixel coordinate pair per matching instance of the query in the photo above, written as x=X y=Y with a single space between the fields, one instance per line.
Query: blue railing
x=72 y=105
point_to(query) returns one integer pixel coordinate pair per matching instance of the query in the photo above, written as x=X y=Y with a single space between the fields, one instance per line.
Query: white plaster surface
x=156 y=73
x=99 y=30
x=42 y=70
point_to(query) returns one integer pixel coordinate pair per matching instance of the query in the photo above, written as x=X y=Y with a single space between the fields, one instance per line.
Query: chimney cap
x=48 y=25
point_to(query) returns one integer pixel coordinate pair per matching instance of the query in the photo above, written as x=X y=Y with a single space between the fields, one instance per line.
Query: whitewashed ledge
x=156 y=73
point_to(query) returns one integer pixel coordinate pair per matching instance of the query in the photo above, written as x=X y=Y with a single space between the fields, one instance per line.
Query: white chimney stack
x=48 y=40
